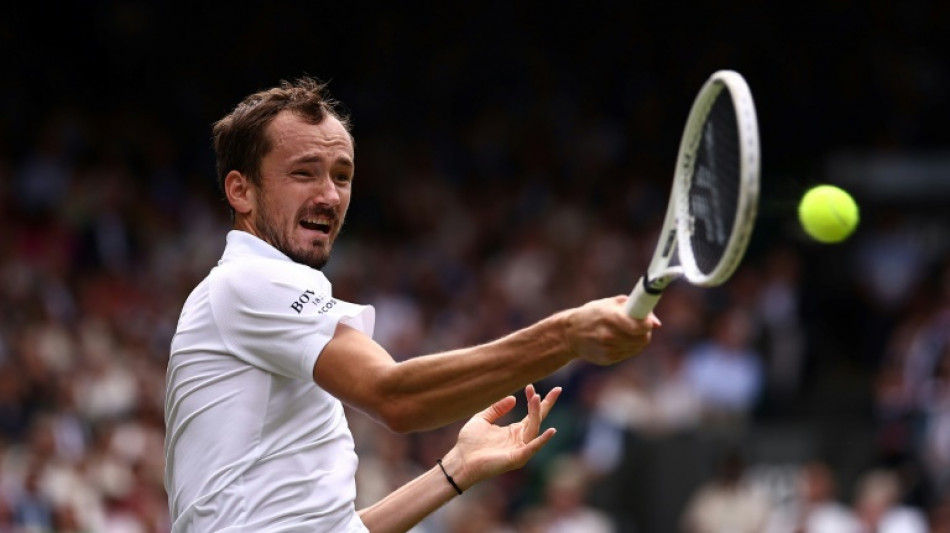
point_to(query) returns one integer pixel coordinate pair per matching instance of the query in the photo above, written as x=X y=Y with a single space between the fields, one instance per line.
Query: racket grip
x=641 y=302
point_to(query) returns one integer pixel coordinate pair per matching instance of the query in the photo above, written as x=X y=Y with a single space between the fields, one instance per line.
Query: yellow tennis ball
x=828 y=213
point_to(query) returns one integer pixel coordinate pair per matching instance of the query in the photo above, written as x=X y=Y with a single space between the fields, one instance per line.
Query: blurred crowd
x=99 y=253
x=810 y=393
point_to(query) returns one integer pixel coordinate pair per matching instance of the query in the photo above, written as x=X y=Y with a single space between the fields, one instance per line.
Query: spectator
x=728 y=502
x=565 y=508
x=816 y=508
x=935 y=441
x=879 y=507
x=726 y=371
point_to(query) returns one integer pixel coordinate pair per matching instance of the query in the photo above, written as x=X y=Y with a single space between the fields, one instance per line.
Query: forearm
x=432 y=390
x=408 y=505
x=483 y=450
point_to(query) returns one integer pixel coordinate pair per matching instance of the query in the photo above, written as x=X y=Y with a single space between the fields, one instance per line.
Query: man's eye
x=344 y=178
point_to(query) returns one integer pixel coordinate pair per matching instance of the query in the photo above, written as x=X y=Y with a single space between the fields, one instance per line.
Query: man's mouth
x=321 y=224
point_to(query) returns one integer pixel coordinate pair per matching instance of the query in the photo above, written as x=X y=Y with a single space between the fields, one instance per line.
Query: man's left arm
x=483 y=450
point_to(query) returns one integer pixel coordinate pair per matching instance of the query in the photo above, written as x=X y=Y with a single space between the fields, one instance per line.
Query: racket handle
x=641 y=302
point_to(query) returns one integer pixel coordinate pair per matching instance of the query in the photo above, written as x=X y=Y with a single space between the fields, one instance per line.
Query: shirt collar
x=243 y=244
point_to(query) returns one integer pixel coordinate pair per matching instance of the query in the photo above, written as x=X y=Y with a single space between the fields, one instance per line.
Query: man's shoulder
x=248 y=269
x=262 y=279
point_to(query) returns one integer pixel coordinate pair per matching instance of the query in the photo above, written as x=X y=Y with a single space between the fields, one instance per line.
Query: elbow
x=398 y=425
x=401 y=416
x=398 y=407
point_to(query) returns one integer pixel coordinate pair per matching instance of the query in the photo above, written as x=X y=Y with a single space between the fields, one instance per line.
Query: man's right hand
x=602 y=333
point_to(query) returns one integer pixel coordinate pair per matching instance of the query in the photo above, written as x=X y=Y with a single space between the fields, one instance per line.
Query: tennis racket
x=715 y=193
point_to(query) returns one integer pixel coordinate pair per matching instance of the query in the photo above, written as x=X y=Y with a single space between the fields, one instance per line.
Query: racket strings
x=713 y=193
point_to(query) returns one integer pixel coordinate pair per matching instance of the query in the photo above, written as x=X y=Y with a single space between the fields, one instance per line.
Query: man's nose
x=327 y=192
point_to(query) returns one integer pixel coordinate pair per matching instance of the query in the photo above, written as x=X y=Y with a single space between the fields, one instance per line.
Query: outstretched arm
x=433 y=390
x=483 y=450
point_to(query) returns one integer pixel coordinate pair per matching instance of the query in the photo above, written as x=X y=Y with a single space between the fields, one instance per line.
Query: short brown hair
x=240 y=138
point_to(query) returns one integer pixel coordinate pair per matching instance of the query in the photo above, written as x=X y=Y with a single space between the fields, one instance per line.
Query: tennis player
x=264 y=356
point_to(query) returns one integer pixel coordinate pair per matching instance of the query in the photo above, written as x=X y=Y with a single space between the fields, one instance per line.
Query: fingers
x=532 y=422
x=522 y=454
x=538 y=410
x=498 y=409
x=549 y=401
x=529 y=392
x=642 y=325
x=651 y=321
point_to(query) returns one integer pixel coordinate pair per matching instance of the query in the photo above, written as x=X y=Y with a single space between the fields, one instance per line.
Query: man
x=256 y=438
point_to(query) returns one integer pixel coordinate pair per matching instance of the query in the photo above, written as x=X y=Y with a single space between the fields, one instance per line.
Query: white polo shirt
x=252 y=444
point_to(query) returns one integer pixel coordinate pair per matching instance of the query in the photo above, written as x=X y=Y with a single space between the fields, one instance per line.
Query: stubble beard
x=316 y=256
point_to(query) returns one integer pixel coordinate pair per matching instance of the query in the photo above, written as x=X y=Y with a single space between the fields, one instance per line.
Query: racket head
x=716 y=182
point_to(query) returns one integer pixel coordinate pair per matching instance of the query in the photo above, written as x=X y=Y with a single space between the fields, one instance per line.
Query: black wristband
x=448 y=477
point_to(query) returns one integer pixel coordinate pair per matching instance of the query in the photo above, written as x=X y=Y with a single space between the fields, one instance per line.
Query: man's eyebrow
x=340 y=161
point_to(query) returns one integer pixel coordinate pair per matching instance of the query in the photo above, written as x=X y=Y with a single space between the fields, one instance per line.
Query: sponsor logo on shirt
x=309 y=297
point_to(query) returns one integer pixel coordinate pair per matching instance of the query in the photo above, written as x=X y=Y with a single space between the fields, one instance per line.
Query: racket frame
x=662 y=270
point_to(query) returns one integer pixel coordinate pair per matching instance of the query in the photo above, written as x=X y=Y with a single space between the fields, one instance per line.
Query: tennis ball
x=828 y=213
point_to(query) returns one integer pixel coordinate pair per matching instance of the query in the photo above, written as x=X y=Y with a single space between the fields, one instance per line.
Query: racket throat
x=657 y=285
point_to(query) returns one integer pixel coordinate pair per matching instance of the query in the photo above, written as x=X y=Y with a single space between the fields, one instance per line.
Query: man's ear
x=241 y=193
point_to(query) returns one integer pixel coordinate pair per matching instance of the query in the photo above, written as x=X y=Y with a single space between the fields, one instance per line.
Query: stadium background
x=512 y=160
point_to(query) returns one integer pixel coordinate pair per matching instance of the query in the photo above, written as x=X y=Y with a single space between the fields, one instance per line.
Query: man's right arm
x=433 y=390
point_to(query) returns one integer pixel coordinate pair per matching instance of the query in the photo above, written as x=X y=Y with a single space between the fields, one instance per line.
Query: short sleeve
x=278 y=315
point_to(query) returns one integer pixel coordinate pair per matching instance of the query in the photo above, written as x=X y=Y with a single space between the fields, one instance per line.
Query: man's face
x=305 y=188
